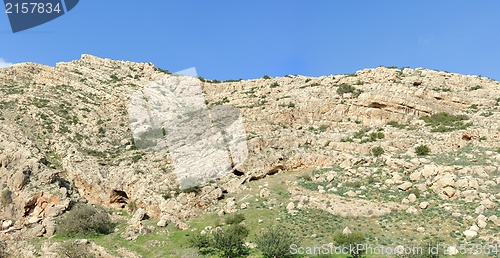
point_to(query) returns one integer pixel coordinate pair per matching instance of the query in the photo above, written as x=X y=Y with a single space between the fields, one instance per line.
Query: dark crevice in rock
x=238 y=173
x=118 y=197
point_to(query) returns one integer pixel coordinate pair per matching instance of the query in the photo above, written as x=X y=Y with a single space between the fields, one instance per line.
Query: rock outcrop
x=65 y=136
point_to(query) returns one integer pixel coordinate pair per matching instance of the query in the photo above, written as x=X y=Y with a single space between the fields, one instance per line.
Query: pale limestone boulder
x=470 y=234
x=424 y=205
x=405 y=186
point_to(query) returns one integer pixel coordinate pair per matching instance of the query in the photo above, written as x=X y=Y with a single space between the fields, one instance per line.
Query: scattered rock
x=230 y=206
x=494 y=219
x=182 y=226
x=412 y=198
x=50 y=226
x=162 y=223
x=449 y=191
x=34 y=220
x=350 y=193
x=424 y=205
x=481 y=223
x=412 y=210
x=405 y=186
x=488 y=204
x=429 y=171
x=470 y=234
x=264 y=193
x=416 y=176
x=7 y=224
x=139 y=215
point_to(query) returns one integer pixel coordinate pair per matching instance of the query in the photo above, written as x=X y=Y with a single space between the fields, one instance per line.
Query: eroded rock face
x=64 y=135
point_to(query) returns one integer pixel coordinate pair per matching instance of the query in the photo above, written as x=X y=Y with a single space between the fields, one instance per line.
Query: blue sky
x=249 y=39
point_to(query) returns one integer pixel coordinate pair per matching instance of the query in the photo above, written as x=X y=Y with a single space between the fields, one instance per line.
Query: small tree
x=422 y=150
x=230 y=242
x=275 y=242
x=84 y=219
x=353 y=241
x=203 y=242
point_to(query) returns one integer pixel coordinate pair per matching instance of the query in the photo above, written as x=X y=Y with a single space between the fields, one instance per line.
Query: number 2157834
x=32 y=8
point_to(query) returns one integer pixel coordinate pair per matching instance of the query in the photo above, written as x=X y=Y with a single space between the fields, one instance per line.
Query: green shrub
x=473 y=106
x=83 y=220
x=275 y=242
x=235 y=218
x=346 y=88
x=422 y=150
x=114 y=78
x=442 y=89
x=274 y=85
x=202 y=242
x=486 y=114
x=162 y=70
x=377 y=135
x=477 y=87
x=228 y=242
x=289 y=105
x=351 y=241
x=136 y=158
x=377 y=151
x=193 y=189
x=305 y=178
x=498 y=150
x=232 y=80
x=355 y=184
x=266 y=77
x=359 y=134
x=323 y=128
x=346 y=139
x=445 y=122
x=72 y=249
x=396 y=124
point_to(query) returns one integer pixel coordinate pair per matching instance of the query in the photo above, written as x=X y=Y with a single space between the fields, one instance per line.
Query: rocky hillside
x=65 y=138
